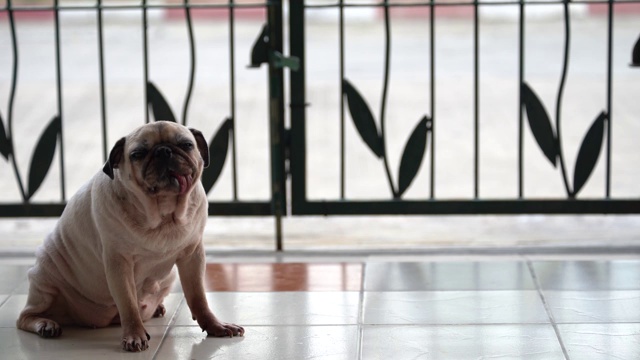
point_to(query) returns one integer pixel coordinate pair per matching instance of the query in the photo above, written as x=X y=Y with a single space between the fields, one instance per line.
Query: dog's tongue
x=182 y=182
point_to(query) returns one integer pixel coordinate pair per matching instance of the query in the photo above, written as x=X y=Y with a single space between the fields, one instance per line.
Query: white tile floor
x=400 y=310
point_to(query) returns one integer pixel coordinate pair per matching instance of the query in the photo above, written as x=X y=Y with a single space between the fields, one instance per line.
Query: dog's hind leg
x=32 y=318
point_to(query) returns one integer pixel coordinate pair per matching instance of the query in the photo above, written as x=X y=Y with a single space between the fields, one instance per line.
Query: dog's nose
x=163 y=152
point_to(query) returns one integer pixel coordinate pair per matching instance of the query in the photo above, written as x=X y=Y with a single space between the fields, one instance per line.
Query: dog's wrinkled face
x=161 y=158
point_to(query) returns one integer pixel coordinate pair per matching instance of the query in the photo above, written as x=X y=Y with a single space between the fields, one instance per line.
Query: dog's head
x=160 y=158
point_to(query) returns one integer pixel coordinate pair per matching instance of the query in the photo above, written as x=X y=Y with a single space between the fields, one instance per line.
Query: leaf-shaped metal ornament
x=43 y=156
x=540 y=124
x=218 y=148
x=5 y=146
x=635 y=55
x=260 y=49
x=158 y=104
x=412 y=155
x=363 y=119
x=589 y=152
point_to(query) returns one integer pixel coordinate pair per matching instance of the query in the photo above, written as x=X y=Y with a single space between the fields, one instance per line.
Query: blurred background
x=222 y=50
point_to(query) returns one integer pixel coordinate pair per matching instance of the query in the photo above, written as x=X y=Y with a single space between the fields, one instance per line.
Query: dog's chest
x=151 y=267
x=166 y=238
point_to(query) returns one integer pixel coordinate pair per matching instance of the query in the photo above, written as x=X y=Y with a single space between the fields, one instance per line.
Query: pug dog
x=110 y=259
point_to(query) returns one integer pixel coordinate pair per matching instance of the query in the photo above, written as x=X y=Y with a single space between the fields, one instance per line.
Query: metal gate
x=420 y=144
x=288 y=106
x=155 y=104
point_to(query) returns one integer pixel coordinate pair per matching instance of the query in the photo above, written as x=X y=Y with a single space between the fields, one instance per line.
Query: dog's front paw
x=48 y=329
x=216 y=328
x=160 y=311
x=135 y=341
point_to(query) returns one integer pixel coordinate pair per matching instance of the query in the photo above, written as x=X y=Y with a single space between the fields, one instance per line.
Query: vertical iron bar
x=59 y=93
x=342 y=129
x=520 y=109
x=12 y=94
x=563 y=78
x=232 y=91
x=298 y=109
x=476 y=102
x=609 y=95
x=433 y=96
x=145 y=59
x=192 y=53
x=385 y=88
x=103 y=102
x=276 y=119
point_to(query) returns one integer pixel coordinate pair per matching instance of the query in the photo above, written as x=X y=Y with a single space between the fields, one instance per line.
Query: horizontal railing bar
x=134 y=7
x=31 y=210
x=467 y=207
x=317 y=6
x=239 y=208
x=469 y=3
x=439 y=207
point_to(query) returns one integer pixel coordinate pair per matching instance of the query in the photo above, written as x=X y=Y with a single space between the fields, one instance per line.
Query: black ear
x=115 y=156
x=202 y=146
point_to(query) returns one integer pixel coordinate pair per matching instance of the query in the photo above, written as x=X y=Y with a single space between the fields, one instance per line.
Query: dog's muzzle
x=171 y=170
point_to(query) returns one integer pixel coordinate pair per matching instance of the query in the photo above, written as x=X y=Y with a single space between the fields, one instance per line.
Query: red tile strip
x=284 y=277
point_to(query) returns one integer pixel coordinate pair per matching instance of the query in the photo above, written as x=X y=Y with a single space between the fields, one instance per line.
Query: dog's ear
x=202 y=146
x=115 y=156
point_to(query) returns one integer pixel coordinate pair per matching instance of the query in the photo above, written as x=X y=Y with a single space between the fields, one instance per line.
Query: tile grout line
x=547 y=309
x=11 y=293
x=169 y=327
x=5 y=300
x=361 y=311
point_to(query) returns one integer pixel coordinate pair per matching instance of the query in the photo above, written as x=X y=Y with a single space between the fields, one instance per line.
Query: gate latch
x=261 y=53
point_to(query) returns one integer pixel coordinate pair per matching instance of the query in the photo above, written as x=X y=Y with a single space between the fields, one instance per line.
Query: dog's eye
x=138 y=154
x=186 y=146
